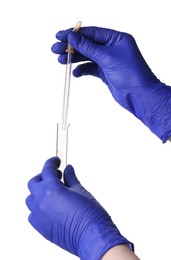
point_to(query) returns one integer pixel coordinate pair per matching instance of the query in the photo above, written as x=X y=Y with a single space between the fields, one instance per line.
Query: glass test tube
x=62 y=144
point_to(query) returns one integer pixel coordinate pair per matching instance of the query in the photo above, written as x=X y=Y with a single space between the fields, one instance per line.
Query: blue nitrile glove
x=115 y=58
x=68 y=215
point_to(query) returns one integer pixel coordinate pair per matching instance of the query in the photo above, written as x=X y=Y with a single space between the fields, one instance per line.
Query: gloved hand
x=66 y=214
x=115 y=58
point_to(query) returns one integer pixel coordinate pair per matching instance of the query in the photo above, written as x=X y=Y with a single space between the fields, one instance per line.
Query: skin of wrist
x=120 y=252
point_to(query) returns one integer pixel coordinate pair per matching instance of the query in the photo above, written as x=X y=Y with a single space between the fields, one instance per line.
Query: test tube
x=62 y=144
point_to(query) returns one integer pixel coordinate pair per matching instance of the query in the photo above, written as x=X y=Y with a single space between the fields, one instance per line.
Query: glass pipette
x=67 y=87
x=62 y=128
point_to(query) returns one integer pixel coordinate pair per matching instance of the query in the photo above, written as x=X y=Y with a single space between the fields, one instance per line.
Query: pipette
x=70 y=51
x=62 y=128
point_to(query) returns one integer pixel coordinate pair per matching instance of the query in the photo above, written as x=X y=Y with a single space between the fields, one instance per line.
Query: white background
x=116 y=157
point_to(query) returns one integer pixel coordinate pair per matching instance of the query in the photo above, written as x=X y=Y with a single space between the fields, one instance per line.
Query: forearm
x=120 y=252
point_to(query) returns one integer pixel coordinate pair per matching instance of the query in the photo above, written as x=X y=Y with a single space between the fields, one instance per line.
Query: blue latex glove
x=66 y=214
x=115 y=58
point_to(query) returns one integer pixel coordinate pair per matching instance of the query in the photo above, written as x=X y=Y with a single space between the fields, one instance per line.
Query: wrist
x=120 y=252
x=159 y=119
x=99 y=238
x=152 y=105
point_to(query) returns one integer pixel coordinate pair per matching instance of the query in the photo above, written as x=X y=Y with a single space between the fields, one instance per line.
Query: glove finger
x=86 y=47
x=70 y=178
x=76 y=57
x=71 y=181
x=59 y=47
x=63 y=35
x=30 y=203
x=99 y=35
x=96 y=34
x=32 y=184
x=50 y=169
x=40 y=224
x=33 y=221
x=88 y=68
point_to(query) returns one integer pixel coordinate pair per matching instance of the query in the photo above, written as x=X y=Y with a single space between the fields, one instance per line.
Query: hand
x=115 y=58
x=66 y=214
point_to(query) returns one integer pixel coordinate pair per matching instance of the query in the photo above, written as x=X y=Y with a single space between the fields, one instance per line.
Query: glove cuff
x=99 y=238
x=152 y=105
